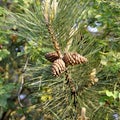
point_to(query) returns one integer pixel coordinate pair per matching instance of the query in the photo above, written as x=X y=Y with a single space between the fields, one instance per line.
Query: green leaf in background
x=5 y=93
x=104 y=60
x=3 y=53
x=109 y=94
x=3 y=101
x=116 y=94
x=1 y=11
x=119 y=96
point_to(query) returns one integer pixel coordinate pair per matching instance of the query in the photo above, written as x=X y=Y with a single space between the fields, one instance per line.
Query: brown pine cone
x=51 y=56
x=58 y=67
x=73 y=59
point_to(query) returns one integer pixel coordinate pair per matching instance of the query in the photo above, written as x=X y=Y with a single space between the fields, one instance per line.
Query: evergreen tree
x=63 y=55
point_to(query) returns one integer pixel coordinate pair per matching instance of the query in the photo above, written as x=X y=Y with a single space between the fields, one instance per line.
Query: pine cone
x=73 y=59
x=58 y=67
x=52 y=56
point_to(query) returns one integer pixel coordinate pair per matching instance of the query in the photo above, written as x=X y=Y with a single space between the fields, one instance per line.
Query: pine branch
x=71 y=86
x=49 y=13
x=54 y=39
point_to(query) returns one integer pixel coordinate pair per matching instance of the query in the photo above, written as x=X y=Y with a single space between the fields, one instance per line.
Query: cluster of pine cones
x=59 y=64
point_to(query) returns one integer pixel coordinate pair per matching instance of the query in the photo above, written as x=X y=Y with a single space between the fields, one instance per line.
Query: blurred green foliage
x=5 y=93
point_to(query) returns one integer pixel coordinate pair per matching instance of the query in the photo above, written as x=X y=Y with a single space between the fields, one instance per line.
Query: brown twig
x=83 y=114
x=6 y=115
x=72 y=86
x=54 y=39
x=22 y=83
x=47 y=14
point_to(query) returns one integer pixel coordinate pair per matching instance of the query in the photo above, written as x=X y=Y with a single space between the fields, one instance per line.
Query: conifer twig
x=47 y=13
x=83 y=114
x=69 y=80
x=72 y=86
x=54 y=39
x=22 y=83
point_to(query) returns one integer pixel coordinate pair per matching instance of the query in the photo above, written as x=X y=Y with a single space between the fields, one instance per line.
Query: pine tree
x=62 y=75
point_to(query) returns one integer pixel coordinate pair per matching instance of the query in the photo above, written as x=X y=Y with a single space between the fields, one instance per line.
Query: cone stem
x=72 y=86
x=54 y=39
